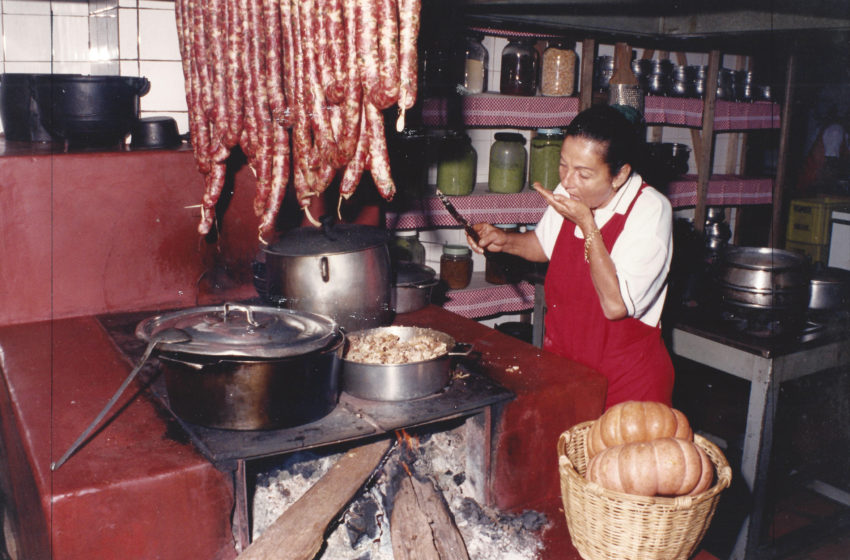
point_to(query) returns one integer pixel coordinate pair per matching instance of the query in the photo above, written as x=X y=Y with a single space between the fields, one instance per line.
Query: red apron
x=631 y=354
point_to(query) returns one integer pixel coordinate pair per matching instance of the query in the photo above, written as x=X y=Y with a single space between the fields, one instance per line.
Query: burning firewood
x=299 y=532
x=421 y=526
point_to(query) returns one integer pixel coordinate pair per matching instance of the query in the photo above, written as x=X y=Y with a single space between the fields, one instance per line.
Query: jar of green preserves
x=507 y=163
x=456 y=164
x=407 y=247
x=545 y=157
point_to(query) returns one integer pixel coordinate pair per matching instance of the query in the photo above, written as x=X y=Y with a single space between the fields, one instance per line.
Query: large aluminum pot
x=760 y=277
x=398 y=382
x=249 y=367
x=341 y=271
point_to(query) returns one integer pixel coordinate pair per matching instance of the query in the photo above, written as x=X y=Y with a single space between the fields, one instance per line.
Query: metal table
x=766 y=366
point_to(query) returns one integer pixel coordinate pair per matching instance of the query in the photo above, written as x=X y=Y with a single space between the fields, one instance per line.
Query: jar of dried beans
x=558 y=70
x=456 y=266
x=520 y=63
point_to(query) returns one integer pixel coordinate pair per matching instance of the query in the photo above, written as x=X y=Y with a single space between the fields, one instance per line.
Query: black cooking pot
x=249 y=367
x=155 y=133
x=85 y=111
x=18 y=109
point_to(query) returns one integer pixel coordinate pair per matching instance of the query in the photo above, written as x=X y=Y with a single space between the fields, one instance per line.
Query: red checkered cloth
x=525 y=207
x=505 y=111
x=512 y=111
x=510 y=33
x=728 y=115
x=723 y=190
x=485 y=301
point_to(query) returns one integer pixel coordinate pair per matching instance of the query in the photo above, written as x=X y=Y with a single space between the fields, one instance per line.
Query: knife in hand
x=457 y=216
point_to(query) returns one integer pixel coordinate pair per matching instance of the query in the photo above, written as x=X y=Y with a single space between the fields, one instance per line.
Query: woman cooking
x=608 y=238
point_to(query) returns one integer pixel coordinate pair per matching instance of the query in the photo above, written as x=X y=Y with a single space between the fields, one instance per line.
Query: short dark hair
x=612 y=130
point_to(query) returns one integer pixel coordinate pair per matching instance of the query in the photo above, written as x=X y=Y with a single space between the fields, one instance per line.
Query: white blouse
x=641 y=254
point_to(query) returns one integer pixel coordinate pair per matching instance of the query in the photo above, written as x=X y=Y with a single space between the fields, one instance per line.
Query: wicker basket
x=608 y=525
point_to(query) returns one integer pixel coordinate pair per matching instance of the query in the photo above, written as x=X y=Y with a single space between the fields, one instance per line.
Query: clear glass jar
x=507 y=163
x=456 y=266
x=558 y=69
x=545 y=157
x=476 y=63
x=456 y=164
x=406 y=247
x=504 y=268
x=520 y=62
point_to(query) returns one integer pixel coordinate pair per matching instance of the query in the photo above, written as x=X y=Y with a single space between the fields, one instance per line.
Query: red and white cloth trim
x=728 y=115
x=723 y=190
x=491 y=300
x=496 y=110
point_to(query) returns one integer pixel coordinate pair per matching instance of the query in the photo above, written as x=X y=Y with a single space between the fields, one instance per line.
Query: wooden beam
x=707 y=135
x=588 y=56
x=780 y=186
x=299 y=532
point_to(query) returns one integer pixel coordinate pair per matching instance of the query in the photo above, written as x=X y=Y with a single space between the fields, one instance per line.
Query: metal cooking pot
x=761 y=277
x=829 y=290
x=342 y=271
x=412 y=286
x=249 y=367
x=398 y=382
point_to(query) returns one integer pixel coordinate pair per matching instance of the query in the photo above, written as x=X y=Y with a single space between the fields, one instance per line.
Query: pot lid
x=329 y=239
x=248 y=331
x=413 y=274
x=764 y=258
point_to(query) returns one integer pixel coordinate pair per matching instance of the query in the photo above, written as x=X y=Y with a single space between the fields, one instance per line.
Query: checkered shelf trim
x=512 y=111
x=493 y=299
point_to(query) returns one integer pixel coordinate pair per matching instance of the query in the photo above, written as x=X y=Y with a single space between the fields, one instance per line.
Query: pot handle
x=461 y=349
x=324 y=270
x=142 y=86
x=249 y=315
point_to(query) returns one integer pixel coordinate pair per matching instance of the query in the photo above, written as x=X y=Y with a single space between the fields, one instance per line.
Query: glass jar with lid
x=507 y=163
x=456 y=266
x=520 y=62
x=558 y=69
x=545 y=157
x=456 y=164
x=477 y=61
x=406 y=247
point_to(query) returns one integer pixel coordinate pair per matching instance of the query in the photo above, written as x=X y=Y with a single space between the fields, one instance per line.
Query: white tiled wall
x=103 y=37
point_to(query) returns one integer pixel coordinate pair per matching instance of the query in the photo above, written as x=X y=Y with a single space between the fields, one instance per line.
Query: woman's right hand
x=490 y=238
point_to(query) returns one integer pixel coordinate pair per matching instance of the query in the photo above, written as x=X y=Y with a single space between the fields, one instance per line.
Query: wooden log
x=421 y=526
x=299 y=532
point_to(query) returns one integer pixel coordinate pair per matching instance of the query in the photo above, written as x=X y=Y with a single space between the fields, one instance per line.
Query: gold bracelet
x=588 y=239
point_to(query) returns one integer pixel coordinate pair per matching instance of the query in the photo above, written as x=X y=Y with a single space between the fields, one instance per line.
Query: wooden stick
x=780 y=186
x=299 y=532
x=588 y=55
x=707 y=136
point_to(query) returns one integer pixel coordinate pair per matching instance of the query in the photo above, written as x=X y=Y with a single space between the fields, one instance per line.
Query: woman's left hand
x=570 y=208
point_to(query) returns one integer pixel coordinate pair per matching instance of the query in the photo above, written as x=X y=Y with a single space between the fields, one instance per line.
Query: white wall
x=104 y=37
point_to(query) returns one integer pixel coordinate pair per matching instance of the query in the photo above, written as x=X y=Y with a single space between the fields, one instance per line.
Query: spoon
x=166 y=336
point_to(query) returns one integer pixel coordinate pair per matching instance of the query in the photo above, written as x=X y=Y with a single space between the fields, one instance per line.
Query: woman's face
x=585 y=174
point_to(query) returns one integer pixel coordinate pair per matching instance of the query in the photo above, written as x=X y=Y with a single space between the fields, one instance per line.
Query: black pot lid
x=246 y=331
x=412 y=274
x=328 y=240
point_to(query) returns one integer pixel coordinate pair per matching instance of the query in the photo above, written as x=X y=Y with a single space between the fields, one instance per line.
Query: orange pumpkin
x=636 y=421
x=661 y=467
